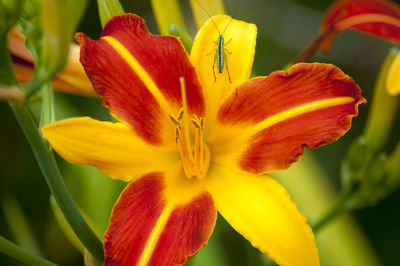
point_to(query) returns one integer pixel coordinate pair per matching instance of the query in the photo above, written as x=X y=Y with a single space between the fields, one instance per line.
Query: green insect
x=220 y=51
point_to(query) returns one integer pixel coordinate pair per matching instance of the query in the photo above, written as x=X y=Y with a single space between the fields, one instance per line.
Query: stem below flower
x=337 y=208
x=56 y=184
x=313 y=47
x=47 y=104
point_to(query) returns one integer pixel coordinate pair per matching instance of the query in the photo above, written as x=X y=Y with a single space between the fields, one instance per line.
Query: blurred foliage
x=285 y=27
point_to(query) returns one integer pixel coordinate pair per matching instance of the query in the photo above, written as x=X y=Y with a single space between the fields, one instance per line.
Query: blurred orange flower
x=71 y=79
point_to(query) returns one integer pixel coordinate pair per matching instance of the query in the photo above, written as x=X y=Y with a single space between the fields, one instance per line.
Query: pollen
x=195 y=157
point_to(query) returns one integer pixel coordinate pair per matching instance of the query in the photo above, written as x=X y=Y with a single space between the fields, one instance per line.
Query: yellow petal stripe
x=140 y=71
x=112 y=148
x=179 y=191
x=239 y=55
x=393 y=79
x=296 y=111
x=155 y=235
x=261 y=210
x=227 y=148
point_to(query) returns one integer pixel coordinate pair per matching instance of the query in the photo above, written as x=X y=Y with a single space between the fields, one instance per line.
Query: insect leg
x=211 y=51
x=228 y=41
x=213 y=67
x=227 y=70
x=226 y=50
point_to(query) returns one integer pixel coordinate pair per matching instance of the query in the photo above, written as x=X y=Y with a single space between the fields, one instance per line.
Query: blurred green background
x=285 y=27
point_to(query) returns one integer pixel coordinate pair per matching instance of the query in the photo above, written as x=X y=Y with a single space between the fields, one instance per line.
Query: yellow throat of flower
x=195 y=158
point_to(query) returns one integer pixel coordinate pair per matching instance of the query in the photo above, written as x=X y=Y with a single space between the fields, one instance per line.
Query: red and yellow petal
x=138 y=76
x=160 y=219
x=239 y=58
x=261 y=210
x=272 y=119
x=380 y=18
x=113 y=148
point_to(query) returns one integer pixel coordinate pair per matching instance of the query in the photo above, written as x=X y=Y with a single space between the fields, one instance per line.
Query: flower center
x=195 y=157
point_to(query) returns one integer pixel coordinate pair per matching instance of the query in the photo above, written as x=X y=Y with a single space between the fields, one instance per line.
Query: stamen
x=176 y=135
x=195 y=160
x=201 y=146
x=183 y=114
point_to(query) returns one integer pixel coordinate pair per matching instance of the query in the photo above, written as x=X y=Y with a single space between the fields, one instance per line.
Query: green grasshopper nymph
x=220 y=51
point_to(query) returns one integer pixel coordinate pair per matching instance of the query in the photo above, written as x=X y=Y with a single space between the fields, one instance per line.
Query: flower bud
x=393 y=78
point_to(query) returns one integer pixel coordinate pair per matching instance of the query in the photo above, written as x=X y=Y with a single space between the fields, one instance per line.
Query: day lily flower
x=379 y=18
x=190 y=144
x=71 y=79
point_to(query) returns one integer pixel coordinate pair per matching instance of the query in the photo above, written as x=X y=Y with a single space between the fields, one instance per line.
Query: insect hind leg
x=226 y=66
x=213 y=67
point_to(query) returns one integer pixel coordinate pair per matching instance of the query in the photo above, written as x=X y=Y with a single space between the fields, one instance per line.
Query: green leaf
x=108 y=9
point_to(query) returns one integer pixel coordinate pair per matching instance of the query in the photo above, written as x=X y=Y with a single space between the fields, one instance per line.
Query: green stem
x=314 y=46
x=56 y=184
x=310 y=50
x=21 y=255
x=47 y=104
x=33 y=85
x=393 y=169
x=337 y=208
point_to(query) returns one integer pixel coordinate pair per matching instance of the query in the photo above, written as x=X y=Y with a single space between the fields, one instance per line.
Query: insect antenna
x=227 y=26
x=210 y=17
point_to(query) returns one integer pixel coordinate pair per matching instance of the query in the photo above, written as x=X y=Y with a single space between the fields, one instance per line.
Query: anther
x=180 y=115
x=176 y=122
x=176 y=135
x=196 y=124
